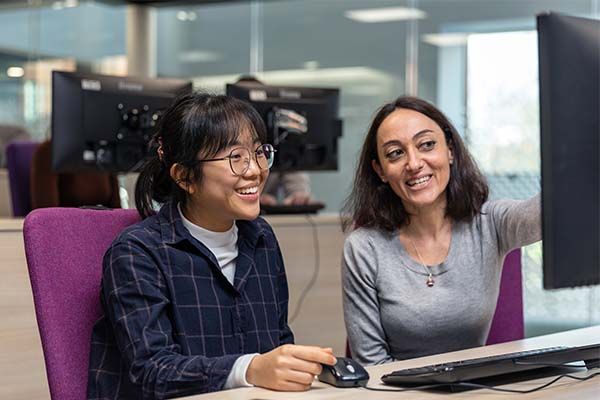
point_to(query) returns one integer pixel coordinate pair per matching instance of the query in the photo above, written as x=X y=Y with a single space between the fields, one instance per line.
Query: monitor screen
x=302 y=123
x=569 y=67
x=102 y=122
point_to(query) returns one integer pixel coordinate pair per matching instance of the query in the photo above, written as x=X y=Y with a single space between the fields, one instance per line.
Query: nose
x=253 y=168
x=414 y=161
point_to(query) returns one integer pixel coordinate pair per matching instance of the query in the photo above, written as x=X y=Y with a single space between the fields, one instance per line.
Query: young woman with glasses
x=195 y=296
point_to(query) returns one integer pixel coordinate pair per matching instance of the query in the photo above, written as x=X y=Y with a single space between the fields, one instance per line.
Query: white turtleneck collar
x=222 y=244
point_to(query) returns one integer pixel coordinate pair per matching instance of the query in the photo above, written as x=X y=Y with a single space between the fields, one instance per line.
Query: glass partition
x=37 y=37
x=476 y=59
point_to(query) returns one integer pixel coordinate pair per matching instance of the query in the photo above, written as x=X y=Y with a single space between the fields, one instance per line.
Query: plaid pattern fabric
x=173 y=325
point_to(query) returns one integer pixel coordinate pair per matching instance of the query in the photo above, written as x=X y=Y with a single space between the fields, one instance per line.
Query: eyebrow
x=415 y=136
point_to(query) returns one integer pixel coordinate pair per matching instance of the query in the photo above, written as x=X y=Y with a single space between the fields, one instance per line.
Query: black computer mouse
x=345 y=373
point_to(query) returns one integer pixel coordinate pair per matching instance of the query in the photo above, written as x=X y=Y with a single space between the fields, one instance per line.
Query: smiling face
x=414 y=159
x=221 y=197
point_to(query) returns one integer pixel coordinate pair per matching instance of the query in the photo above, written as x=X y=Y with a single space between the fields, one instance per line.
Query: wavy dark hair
x=196 y=124
x=372 y=203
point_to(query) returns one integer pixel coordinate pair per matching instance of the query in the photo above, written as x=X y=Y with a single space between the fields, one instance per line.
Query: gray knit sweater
x=391 y=313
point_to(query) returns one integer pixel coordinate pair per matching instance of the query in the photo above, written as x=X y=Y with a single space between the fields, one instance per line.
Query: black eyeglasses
x=239 y=158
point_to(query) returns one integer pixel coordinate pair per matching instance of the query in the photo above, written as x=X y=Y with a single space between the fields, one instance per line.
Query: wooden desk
x=561 y=390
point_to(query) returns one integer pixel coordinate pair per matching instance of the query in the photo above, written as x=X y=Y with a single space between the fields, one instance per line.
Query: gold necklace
x=430 y=280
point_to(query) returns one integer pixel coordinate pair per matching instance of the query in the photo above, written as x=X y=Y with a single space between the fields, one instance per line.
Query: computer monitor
x=104 y=123
x=569 y=73
x=302 y=123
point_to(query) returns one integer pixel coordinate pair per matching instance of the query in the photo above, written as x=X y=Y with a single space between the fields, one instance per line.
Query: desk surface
x=563 y=389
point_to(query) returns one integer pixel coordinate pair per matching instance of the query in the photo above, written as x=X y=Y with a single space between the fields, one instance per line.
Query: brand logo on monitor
x=289 y=94
x=258 y=95
x=130 y=86
x=90 y=84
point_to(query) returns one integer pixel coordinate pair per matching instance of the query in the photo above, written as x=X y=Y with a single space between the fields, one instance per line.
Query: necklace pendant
x=430 y=281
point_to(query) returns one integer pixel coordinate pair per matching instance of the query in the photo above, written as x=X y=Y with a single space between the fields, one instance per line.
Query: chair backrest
x=507 y=323
x=69 y=189
x=18 y=163
x=64 y=249
x=10 y=133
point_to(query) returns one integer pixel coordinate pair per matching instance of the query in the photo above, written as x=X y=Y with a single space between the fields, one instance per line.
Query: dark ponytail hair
x=373 y=203
x=195 y=125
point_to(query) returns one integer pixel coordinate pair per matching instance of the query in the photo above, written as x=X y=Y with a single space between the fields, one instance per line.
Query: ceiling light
x=15 y=72
x=59 y=5
x=198 y=56
x=312 y=64
x=186 y=15
x=385 y=14
x=446 y=39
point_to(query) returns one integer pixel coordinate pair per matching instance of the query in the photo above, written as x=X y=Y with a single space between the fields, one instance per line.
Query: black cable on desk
x=498 y=389
x=315 y=274
x=408 y=389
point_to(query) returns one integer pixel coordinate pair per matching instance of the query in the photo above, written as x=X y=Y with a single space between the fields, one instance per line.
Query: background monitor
x=569 y=66
x=102 y=122
x=302 y=123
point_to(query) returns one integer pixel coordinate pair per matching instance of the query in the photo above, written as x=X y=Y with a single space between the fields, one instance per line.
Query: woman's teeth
x=417 y=181
x=250 y=190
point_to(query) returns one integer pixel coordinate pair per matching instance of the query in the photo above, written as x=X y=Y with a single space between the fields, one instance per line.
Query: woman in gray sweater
x=421 y=270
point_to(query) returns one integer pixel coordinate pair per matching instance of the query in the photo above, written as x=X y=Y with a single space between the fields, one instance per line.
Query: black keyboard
x=484 y=367
x=311 y=208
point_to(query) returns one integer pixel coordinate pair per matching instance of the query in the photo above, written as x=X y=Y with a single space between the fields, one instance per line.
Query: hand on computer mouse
x=344 y=373
x=289 y=367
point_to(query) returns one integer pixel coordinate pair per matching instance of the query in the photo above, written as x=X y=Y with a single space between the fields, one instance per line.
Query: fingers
x=289 y=367
x=301 y=378
x=298 y=364
x=313 y=353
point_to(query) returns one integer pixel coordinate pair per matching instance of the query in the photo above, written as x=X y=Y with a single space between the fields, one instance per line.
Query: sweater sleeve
x=517 y=222
x=366 y=336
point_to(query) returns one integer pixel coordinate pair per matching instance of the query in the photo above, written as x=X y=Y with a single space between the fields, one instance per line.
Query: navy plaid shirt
x=173 y=325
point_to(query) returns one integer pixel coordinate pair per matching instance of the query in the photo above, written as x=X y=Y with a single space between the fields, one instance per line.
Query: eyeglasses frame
x=229 y=157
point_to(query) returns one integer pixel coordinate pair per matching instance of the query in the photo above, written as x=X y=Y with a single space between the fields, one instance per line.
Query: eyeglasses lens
x=240 y=158
x=265 y=156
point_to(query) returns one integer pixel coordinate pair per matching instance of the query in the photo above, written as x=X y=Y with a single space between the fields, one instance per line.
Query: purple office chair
x=507 y=323
x=18 y=163
x=64 y=249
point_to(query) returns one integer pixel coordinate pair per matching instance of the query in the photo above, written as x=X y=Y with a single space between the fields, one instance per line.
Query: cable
x=408 y=389
x=480 y=386
x=489 y=387
x=315 y=274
